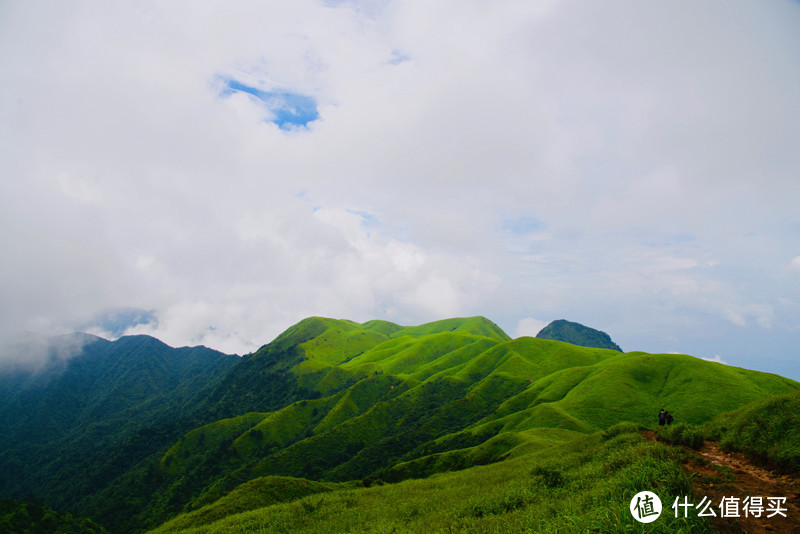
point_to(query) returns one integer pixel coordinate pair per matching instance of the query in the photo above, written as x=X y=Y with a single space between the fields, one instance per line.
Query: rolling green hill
x=410 y=402
x=332 y=406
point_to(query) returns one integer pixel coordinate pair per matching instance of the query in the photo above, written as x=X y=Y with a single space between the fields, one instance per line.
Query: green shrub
x=551 y=478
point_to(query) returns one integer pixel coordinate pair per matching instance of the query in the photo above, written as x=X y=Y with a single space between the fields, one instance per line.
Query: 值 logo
x=645 y=507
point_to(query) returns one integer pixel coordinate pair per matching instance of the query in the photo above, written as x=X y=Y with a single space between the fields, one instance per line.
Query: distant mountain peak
x=577 y=334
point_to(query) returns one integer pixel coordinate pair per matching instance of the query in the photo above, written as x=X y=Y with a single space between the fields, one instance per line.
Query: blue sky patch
x=523 y=225
x=367 y=218
x=289 y=109
x=398 y=57
x=115 y=322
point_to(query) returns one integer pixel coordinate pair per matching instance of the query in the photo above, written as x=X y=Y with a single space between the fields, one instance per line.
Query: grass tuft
x=681 y=434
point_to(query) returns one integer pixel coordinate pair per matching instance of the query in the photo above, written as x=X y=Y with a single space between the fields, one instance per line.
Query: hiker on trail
x=662 y=416
x=669 y=418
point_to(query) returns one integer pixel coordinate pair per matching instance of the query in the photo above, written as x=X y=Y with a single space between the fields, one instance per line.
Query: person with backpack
x=668 y=418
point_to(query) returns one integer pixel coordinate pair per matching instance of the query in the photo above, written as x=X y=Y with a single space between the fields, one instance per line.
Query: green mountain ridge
x=337 y=402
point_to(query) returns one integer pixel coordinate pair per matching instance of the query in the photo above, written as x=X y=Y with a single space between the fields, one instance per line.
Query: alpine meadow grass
x=583 y=485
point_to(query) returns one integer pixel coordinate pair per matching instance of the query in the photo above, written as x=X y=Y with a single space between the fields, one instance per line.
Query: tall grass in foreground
x=767 y=431
x=681 y=434
x=585 y=485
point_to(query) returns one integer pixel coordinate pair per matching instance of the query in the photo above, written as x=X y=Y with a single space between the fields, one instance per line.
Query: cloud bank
x=232 y=169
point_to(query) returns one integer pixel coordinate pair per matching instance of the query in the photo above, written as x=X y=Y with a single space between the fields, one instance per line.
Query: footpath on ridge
x=717 y=474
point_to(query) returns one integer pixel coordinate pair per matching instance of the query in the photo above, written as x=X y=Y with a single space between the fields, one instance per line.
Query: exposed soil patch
x=717 y=474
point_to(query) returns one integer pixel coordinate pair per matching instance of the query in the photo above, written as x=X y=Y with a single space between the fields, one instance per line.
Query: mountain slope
x=767 y=430
x=304 y=362
x=257 y=493
x=583 y=485
x=90 y=415
x=411 y=405
x=27 y=518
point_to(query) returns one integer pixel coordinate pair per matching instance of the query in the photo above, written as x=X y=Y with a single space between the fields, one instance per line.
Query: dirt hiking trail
x=717 y=474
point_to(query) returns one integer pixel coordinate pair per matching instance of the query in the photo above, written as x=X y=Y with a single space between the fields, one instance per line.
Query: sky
x=213 y=172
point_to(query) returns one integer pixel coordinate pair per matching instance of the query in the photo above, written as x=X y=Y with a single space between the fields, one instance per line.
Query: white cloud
x=529 y=327
x=735 y=316
x=764 y=314
x=657 y=175
x=718 y=359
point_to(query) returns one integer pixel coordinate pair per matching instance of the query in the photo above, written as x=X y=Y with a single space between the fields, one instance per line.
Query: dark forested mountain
x=31 y=518
x=133 y=433
x=89 y=409
x=577 y=334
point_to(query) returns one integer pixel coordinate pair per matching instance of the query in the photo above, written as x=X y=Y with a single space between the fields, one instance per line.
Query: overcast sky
x=217 y=171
